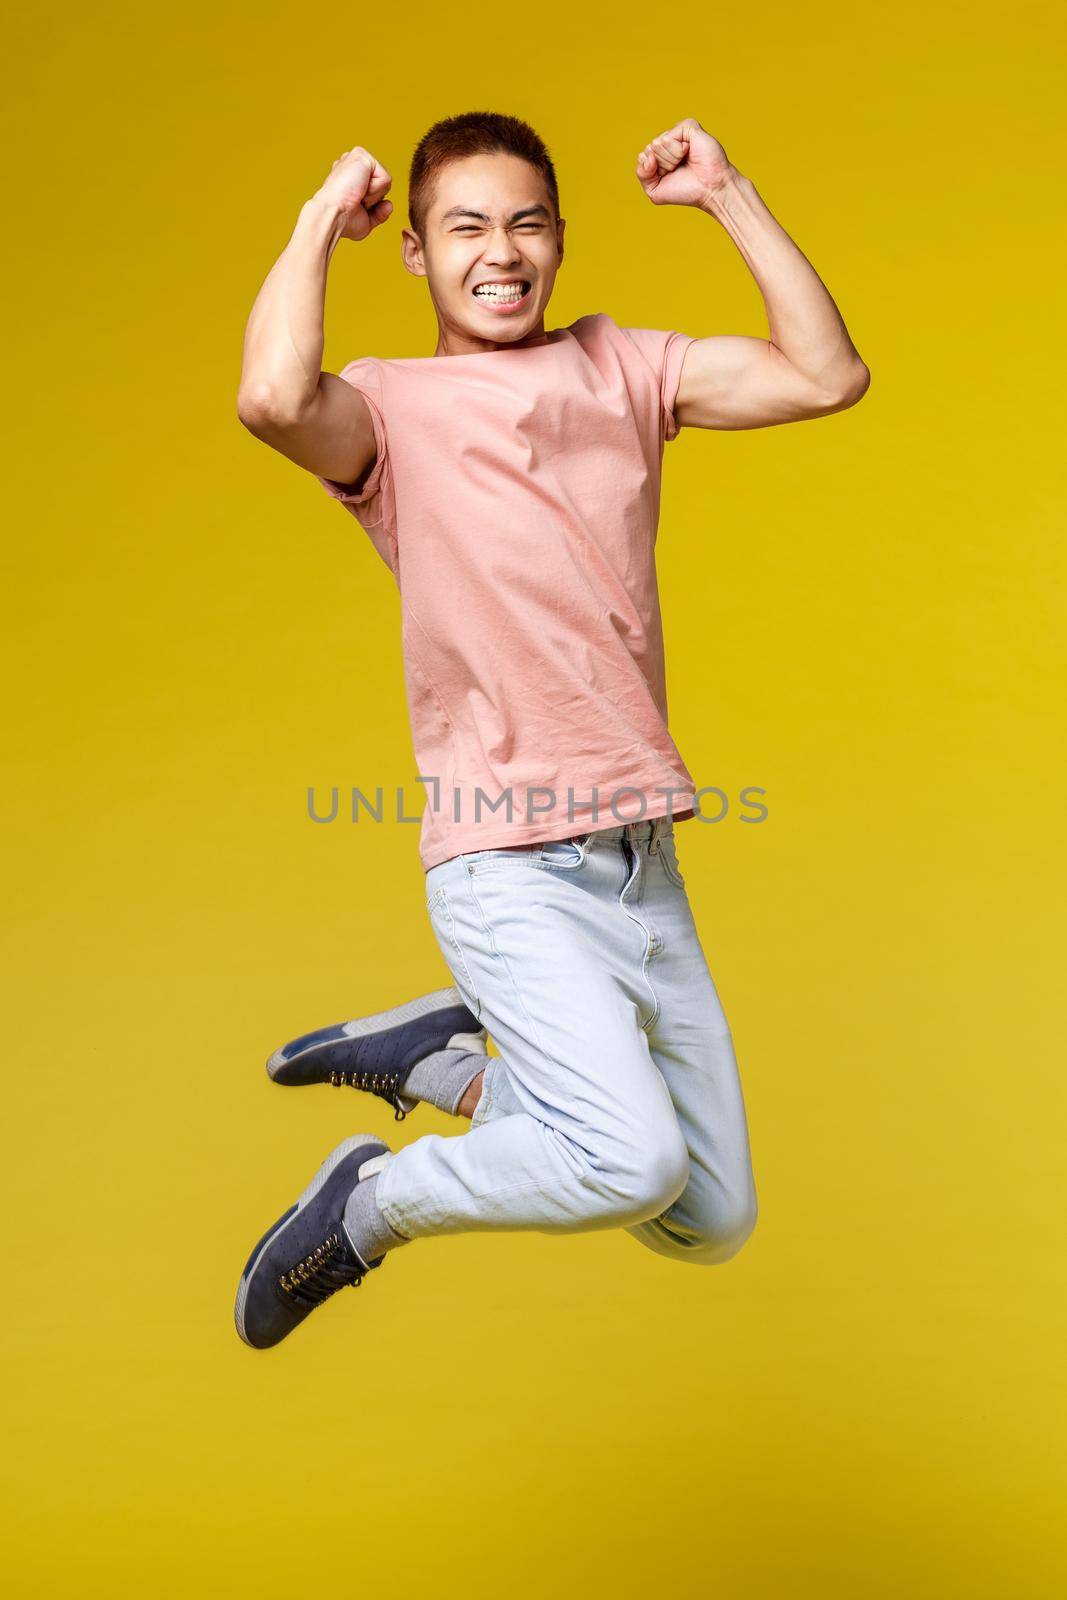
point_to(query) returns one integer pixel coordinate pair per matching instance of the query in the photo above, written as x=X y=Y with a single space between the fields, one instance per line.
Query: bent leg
x=716 y=1211
x=591 y=1139
x=690 y=1045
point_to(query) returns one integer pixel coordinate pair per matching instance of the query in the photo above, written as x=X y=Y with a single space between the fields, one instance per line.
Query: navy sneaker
x=307 y=1255
x=377 y=1053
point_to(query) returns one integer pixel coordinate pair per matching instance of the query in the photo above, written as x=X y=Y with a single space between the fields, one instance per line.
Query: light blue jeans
x=615 y=1100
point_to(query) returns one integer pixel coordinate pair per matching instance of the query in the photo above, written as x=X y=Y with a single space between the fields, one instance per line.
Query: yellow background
x=864 y=616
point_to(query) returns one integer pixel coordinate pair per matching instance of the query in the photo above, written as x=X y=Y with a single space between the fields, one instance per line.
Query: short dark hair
x=474 y=133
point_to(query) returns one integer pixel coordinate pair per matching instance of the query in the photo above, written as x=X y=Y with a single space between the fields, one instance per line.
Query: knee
x=646 y=1177
x=724 y=1234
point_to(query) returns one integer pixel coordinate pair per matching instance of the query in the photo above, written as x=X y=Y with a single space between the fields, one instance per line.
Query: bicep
x=333 y=437
x=732 y=381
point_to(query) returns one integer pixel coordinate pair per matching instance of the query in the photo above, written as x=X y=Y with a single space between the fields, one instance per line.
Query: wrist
x=715 y=199
x=323 y=217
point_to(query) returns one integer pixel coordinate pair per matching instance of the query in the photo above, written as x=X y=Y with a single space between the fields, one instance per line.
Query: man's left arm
x=809 y=367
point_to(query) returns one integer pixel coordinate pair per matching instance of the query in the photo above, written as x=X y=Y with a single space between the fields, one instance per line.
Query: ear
x=411 y=252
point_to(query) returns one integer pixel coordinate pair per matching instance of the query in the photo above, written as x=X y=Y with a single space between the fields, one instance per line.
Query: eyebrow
x=480 y=216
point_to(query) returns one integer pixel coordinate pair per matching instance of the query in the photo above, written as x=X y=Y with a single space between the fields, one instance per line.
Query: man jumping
x=511 y=483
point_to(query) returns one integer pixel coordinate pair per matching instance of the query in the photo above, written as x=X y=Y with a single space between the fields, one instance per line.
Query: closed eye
x=529 y=227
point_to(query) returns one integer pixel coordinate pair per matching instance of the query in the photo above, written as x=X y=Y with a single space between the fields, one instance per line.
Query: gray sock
x=443 y=1078
x=369 y=1233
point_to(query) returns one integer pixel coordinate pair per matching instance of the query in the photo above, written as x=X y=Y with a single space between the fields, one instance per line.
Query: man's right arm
x=314 y=418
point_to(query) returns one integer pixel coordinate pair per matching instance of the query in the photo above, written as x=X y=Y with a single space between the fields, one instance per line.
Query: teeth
x=511 y=291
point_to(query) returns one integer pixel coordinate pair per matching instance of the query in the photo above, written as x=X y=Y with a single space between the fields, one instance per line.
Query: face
x=491 y=221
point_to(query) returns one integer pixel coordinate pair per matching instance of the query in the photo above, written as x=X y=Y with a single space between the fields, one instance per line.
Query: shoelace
x=384 y=1084
x=321 y=1274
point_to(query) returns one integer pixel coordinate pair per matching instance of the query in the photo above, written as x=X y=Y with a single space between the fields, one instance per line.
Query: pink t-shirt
x=515 y=498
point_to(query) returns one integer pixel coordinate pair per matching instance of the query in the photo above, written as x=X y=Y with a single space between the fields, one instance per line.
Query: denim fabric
x=615 y=1100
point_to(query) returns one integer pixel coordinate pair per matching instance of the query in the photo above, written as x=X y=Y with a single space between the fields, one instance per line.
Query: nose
x=501 y=249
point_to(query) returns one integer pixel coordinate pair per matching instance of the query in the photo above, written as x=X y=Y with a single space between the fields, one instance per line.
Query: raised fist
x=683 y=166
x=357 y=185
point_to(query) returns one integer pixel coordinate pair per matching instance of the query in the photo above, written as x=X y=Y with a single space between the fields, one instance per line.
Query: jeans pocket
x=444 y=928
x=564 y=853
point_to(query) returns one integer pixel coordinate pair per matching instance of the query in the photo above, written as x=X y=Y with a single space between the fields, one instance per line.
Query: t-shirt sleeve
x=663 y=353
x=374 y=505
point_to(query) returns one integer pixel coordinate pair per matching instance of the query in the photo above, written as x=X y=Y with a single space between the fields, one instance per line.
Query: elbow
x=261 y=410
x=845 y=395
x=858 y=386
x=254 y=408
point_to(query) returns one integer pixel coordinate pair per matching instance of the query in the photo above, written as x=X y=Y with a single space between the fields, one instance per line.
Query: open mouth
x=503 y=296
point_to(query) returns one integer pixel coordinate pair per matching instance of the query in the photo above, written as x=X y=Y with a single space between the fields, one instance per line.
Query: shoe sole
x=332 y=1160
x=381 y=1021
